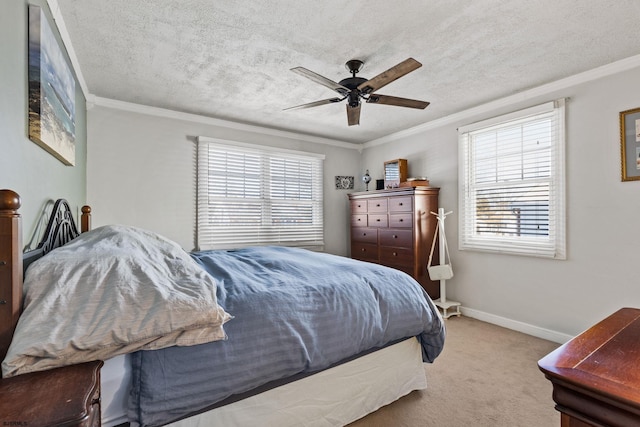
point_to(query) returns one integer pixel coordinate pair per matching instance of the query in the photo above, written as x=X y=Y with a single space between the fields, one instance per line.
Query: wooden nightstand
x=595 y=375
x=68 y=396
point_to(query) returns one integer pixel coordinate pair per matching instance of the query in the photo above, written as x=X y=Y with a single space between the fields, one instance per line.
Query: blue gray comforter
x=295 y=311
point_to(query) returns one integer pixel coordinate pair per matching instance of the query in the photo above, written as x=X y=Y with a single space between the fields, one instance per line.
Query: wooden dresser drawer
x=358 y=206
x=396 y=257
x=401 y=220
x=403 y=228
x=364 y=251
x=364 y=235
x=359 y=220
x=400 y=204
x=378 y=220
x=396 y=238
x=377 y=205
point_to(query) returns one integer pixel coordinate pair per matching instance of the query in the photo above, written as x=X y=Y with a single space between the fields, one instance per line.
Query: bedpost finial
x=9 y=200
x=85 y=219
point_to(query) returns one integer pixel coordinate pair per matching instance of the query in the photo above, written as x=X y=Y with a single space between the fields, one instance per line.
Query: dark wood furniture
x=68 y=396
x=596 y=375
x=10 y=267
x=394 y=227
x=60 y=229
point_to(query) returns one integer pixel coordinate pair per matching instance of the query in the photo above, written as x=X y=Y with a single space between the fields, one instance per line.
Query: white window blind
x=512 y=178
x=255 y=195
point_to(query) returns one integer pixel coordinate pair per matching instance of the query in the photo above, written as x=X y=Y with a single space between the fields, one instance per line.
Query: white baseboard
x=515 y=325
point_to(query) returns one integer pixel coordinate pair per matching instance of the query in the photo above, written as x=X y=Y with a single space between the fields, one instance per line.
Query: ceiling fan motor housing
x=354 y=98
x=352 y=84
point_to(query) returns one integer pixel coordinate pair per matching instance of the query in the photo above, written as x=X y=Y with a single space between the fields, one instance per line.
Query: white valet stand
x=442 y=301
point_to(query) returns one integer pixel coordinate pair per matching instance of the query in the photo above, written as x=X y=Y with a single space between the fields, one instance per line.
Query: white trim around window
x=512 y=183
x=250 y=195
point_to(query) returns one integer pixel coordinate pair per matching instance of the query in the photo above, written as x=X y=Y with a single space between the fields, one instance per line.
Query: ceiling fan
x=356 y=88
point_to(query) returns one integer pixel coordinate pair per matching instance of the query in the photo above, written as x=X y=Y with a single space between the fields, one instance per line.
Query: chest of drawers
x=395 y=228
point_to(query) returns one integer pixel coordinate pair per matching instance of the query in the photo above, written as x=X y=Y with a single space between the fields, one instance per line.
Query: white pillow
x=113 y=290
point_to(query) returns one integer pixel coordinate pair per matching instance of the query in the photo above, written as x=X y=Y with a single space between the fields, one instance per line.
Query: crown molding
x=171 y=114
x=546 y=89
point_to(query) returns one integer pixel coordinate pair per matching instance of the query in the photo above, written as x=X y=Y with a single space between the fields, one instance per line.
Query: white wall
x=549 y=298
x=141 y=171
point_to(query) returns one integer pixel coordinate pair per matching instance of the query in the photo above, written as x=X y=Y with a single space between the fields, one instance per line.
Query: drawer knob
x=401 y=220
x=377 y=205
x=395 y=254
x=395 y=237
x=400 y=203
x=378 y=219
x=359 y=219
x=363 y=250
x=364 y=234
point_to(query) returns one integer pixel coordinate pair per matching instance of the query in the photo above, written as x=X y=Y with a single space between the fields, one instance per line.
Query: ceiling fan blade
x=386 y=77
x=321 y=80
x=315 y=103
x=353 y=114
x=394 y=100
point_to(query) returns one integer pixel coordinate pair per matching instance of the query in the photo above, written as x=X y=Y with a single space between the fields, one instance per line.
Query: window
x=512 y=183
x=255 y=195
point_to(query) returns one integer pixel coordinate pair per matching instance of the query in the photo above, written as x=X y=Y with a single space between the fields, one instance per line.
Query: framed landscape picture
x=52 y=91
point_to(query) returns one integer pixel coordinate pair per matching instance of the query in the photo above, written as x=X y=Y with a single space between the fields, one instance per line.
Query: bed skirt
x=334 y=397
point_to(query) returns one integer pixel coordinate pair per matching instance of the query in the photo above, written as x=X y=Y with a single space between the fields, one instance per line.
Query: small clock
x=344 y=182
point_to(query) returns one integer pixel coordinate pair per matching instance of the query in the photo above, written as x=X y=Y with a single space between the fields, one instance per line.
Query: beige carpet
x=485 y=376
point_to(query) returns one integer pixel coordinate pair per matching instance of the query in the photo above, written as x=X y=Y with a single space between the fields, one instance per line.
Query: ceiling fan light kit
x=355 y=89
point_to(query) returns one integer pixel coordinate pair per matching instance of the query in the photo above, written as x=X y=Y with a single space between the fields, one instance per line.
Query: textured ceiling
x=231 y=59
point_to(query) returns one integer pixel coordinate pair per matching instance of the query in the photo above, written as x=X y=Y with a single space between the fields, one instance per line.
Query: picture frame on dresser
x=630 y=144
x=395 y=173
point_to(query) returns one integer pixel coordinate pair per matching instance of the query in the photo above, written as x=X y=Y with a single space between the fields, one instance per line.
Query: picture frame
x=344 y=182
x=395 y=172
x=630 y=144
x=52 y=91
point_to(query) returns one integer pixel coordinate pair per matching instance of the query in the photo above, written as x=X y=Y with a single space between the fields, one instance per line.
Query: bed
x=257 y=336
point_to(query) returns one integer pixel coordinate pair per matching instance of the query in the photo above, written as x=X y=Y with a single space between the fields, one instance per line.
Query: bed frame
x=384 y=369
x=61 y=228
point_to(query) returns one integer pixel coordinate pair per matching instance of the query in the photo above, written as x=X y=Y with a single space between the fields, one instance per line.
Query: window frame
x=264 y=231
x=554 y=245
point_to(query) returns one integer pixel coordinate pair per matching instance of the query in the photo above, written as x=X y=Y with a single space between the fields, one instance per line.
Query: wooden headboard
x=61 y=228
